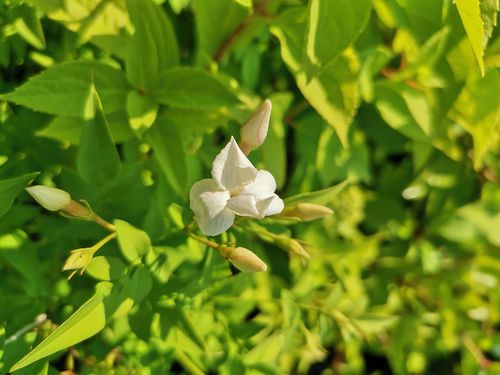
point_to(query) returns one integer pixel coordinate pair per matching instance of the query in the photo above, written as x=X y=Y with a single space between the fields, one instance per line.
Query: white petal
x=270 y=206
x=216 y=225
x=231 y=169
x=207 y=200
x=262 y=187
x=244 y=205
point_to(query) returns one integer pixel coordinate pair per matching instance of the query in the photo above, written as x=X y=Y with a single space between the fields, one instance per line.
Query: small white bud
x=50 y=198
x=243 y=259
x=254 y=132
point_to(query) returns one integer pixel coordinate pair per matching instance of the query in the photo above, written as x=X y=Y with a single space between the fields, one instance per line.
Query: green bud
x=307 y=211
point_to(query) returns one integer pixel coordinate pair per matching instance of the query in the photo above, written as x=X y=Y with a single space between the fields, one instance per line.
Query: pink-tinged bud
x=308 y=211
x=50 y=198
x=243 y=259
x=254 y=132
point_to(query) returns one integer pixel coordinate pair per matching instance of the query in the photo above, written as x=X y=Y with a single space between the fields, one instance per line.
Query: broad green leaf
x=191 y=88
x=98 y=161
x=477 y=111
x=142 y=111
x=18 y=251
x=332 y=27
x=470 y=14
x=153 y=47
x=133 y=242
x=63 y=90
x=10 y=189
x=89 y=319
x=133 y=291
x=88 y=18
x=168 y=149
x=334 y=93
x=105 y=268
x=215 y=21
x=69 y=129
x=405 y=109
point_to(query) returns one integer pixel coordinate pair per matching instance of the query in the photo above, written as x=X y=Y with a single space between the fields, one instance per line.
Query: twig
x=39 y=320
x=259 y=11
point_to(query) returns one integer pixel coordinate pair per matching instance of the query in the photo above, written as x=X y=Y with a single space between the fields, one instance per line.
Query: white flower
x=254 y=132
x=237 y=188
x=50 y=198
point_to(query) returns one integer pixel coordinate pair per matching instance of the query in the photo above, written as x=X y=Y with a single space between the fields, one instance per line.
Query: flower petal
x=216 y=225
x=208 y=203
x=244 y=205
x=270 y=206
x=262 y=187
x=231 y=169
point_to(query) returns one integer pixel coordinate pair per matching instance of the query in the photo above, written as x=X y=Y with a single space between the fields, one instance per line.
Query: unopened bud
x=254 y=132
x=50 y=198
x=308 y=211
x=293 y=246
x=243 y=259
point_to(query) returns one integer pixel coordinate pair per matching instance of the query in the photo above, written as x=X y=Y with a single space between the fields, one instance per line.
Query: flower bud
x=50 y=198
x=243 y=259
x=254 y=132
x=308 y=211
x=293 y=246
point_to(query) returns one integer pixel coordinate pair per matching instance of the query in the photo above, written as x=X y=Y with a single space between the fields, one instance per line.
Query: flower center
x=235 y=192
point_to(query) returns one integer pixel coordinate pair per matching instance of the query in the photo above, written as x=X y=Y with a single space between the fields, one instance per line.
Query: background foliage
x=397 y=97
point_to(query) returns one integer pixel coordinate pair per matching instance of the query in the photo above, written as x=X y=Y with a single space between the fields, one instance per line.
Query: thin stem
x=212 y=244
x=104 y=241
x=99 y=220
x=259 y=11
x=39 y=320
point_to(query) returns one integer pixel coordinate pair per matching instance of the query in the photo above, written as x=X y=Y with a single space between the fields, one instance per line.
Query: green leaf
x=169 y=152
x=10 y=189
x=405 y=109
x=69 y=129
x=63 y=90
x=215 y=20
x=29 y=27
x=105 y=268
x=153 y=47
x=332 y=27
x=470 y=14
x=274 y=149
x=142 y=112
x=375 y=324
x=477 y=111
x=133 y=242
x=191 y=88
x=334 y=92
x=489 y=14
x=319 y=197
x=98 y=161
x=89 y=319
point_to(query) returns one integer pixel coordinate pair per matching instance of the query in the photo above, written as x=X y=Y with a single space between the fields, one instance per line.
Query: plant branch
x=258 y=12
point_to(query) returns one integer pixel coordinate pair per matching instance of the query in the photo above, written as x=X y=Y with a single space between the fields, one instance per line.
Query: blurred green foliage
x=124 y=104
